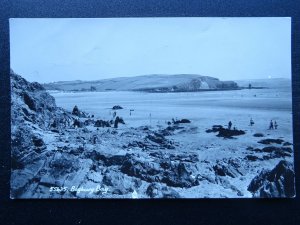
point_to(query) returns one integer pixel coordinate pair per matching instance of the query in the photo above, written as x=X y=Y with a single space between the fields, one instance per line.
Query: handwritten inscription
x=91 y=190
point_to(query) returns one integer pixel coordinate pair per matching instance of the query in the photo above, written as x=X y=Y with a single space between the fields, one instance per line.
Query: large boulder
x=102 y=123
x=231 y=168
x=278 y=183
x=76 y=111
x=177 y=174
x=228 y=133
x=79 y=113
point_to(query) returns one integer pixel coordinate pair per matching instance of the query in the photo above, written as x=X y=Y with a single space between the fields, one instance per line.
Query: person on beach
x=130 y=111
x=251 y=122
x=271 y=127
x=275 y=125
x=229 y=125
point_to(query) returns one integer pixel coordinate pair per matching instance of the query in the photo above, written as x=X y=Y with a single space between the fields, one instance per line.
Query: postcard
x=179 y=107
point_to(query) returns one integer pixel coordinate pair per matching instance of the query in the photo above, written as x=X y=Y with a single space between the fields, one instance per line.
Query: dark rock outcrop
x=231 y=168
x=287 y=143
x=76 y=111
x=117 y=107
x=160 y=140
x=258 y=135
x=215 y=128
x=117 y=121
x=252 y=158
x=170 y=129
x=102 y=123
x=181 y=121
x=224 y=132
x=279 y=182
x=34 y=115
x=79 y=113
x=271 y=141
x=228 y=133
x=78 y=123
x=274 y=152
x=37 y=142
x=154 y=140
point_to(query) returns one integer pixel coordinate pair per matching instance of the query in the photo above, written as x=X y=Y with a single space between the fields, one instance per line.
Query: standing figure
x=251 y=122
x=114 y=114
x=229 y=125
x=275 y=125
x=131 y=110
x=271 y=127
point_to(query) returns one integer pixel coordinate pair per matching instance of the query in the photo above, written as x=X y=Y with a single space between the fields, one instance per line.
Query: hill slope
x=153 y=83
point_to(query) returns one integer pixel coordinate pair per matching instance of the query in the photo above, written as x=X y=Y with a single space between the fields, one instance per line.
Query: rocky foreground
x=61 y=154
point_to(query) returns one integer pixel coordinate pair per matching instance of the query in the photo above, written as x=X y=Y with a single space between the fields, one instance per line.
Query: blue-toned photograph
x=179 y=107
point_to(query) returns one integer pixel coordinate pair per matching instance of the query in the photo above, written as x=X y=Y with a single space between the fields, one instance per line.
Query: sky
x=49 y=50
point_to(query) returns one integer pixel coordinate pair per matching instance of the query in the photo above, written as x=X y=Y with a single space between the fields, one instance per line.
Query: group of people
x=272 y=126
